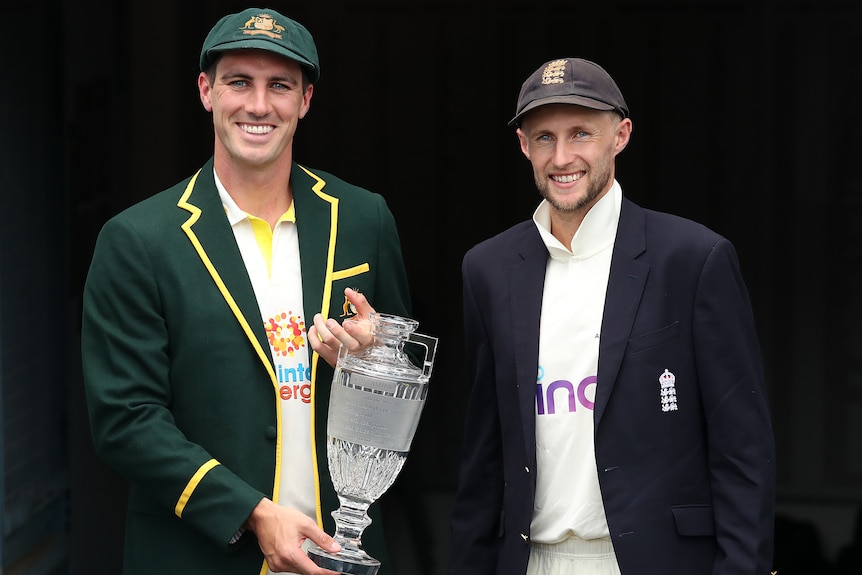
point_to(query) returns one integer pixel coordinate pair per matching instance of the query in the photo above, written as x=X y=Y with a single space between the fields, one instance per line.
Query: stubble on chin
x=579 y=203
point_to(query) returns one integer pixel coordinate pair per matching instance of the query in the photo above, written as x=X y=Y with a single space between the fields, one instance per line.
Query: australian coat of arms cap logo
x=263 y=24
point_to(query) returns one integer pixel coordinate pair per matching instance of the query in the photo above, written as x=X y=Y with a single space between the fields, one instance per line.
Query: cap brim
x=563 y=99
x=259 y=44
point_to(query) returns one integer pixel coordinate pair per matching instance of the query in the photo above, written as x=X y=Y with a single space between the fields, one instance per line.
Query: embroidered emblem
x=263 y=24
x=667 y=380
x=554 y=72
x=347 y=308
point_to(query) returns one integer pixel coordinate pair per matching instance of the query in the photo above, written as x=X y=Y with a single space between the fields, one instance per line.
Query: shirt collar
x=235 y=214
x=596 y=232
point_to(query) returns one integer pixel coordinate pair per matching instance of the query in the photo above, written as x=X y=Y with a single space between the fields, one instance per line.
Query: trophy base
x=341 y=563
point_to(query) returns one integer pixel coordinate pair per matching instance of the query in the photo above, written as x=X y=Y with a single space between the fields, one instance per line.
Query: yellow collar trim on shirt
x=263 y=234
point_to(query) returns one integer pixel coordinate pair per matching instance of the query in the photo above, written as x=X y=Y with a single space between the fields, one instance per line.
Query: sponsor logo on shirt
x=564 y=395
x=286 y=335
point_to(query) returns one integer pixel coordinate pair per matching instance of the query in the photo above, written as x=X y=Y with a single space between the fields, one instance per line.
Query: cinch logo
x=291 y=375
x=546 y=398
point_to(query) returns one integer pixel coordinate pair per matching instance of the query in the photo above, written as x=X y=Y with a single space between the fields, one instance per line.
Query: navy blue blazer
x=687 y=491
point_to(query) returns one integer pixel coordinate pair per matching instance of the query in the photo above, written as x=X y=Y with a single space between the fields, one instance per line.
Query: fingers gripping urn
x=374 y=408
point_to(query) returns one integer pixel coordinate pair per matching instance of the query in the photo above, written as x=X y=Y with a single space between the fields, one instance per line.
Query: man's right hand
x=281 y=531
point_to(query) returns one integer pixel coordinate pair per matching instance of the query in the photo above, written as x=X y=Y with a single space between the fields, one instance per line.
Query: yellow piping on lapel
x=327 y=297
x=192 y=485
x=187 y=228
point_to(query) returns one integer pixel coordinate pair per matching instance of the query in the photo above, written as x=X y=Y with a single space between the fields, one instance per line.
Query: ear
x=622 y=135
x=205 y=92
x=522 y=138
x=306 y=101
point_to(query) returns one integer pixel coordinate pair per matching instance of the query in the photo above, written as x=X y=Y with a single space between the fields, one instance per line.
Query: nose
x=562 y=153
x=257 y=103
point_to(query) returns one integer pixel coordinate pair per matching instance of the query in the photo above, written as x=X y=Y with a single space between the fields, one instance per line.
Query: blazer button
x=271 y=433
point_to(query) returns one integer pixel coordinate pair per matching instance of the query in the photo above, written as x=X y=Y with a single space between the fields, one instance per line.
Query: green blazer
x=179 y=378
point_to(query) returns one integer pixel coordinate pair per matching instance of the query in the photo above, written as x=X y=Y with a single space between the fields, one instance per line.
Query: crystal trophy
x=376 y=399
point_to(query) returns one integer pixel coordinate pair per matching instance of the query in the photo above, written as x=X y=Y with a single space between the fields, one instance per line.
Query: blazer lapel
x=316 y=227
x=626 y=283
x=210 y=233
x=527 y=280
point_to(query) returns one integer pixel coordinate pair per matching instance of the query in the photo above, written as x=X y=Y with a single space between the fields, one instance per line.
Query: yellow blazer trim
x=192 y=485
x=350 y=272
x=187 y=228
x=317 y=188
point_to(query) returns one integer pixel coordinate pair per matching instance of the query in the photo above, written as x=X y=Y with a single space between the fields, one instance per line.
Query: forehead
x=563 y=116
x=253 y=60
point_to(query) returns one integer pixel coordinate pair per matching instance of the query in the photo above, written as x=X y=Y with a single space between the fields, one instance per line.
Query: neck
x=263 y=192
x=564 y=229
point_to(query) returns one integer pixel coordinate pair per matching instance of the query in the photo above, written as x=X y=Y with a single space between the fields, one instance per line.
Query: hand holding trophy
x=376 y=400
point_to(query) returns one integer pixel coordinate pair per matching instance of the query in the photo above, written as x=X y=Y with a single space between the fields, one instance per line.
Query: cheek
x=540 y=156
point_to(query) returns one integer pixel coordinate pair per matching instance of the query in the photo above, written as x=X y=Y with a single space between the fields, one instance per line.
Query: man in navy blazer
x=617 y=421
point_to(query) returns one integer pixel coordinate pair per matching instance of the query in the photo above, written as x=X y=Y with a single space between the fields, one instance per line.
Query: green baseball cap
x=262 y=29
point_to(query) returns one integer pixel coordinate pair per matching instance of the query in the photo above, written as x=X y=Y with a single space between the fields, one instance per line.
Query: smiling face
x=256 y=99
x=572 y=150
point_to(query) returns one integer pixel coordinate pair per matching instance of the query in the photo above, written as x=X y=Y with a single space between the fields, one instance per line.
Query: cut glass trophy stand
x=375 y=403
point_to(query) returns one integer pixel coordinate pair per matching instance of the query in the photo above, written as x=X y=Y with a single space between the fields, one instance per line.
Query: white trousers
x=573 y=557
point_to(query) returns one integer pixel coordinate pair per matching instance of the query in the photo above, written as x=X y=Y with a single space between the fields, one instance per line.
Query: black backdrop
x=745 y=118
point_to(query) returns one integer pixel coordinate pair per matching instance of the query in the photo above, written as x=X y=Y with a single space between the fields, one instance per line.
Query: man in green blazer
x=212 y=315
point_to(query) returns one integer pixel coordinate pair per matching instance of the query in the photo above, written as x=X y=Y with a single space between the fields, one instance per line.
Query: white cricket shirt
x=271 y=258
x=568 y=499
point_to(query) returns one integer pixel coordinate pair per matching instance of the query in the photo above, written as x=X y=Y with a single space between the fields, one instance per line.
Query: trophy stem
x=351 y=519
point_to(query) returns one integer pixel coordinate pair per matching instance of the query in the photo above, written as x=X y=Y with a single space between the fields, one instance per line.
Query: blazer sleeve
x=740 y=438
x=127 y=375
x=392 y=293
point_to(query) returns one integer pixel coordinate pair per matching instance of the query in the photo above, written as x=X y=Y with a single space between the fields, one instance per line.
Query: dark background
x=746 y=118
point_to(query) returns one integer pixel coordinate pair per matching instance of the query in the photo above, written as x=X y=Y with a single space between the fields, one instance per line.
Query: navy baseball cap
x=570 y=81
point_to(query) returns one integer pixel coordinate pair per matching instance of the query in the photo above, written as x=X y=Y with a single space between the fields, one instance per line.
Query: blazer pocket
x=654 y=338
x=350 y=272
x=694 y=520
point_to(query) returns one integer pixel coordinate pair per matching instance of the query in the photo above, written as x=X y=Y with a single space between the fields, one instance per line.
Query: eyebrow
x=278 y=78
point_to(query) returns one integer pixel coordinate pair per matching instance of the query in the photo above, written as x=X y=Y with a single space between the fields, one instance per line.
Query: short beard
x=594 y=191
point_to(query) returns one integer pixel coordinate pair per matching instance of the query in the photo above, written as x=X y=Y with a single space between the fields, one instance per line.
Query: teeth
x=566 y=179
x=256 y=129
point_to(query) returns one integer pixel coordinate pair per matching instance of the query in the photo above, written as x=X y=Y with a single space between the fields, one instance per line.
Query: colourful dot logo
x=286 y=333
